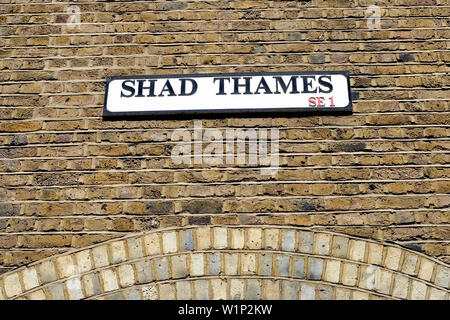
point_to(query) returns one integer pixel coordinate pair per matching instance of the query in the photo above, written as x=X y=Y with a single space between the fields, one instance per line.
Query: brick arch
x=232 y=262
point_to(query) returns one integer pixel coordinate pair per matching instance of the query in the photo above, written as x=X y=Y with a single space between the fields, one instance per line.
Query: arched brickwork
x=232 y=262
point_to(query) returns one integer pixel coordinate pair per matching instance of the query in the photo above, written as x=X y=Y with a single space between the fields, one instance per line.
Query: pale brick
x=203 y=236
x=219 y=289
x=100 y=256
x=162 y=268
x=340 y=247
x=392 y=259
x=248 y=264
x=30 y=278
x=265 y=264
x=299 y=267
x=375 y=255
x=236 y=289
x=135 y=248
x=36 y=295
x=410 y=263
x=271 y=239
x=237 y=238
x=418 y=290
x=152 y=245
x=289 y=290
x=383 y=283
x=179 y=269
x=343 y=294
x=332 y=271
x=288 y=241
x=271 y=289
x=126 y=275
x=118 y=252
x=91 y=284
x=307 y=292
x=315 y=269
x=150 y=293
x=84 y=261
x=113 y=296
x=132 y=294
x=426 y=269
x=231 y=264
x=400 y=289
x=184 y=290
x=12 y=285
x=66 y=266
x=214 y=263
x=306 y=242
x=220 y=238
x=56 y=291
x=357 y=250
x=322 y=244
x=254 y=238
x=436 y=294
x=187 y=240
x=197 y=265
x=283 y=265
x=369 y=276
x=201 y=289
x=109 y=280
x=325 y=292
x=359 y=295
x=169 y=241
x=167 y=291
x=349 y=274
x=253 y=290
x=74 y=289
x=442 y=277
x=144 y=271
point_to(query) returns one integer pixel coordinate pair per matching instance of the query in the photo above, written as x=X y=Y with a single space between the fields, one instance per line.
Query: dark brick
x=202 y=206
x=200 y=220
x=349 y=147
x=355 y=95
x=152 y=192
x=159 y=207
x=18 y=140
x=406 y=57
x=317 y=58
x=52 y=179
x=175 y=5
x=413 y=246
x=306 y=205
x=7 y=209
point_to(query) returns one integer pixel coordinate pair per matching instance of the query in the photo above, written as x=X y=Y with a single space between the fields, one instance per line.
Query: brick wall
x=70 y=179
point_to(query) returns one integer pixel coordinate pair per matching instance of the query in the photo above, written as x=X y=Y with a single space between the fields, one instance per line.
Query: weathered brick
x=236 y=289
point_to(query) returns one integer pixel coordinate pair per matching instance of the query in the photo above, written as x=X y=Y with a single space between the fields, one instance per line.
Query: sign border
x=346 y=109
